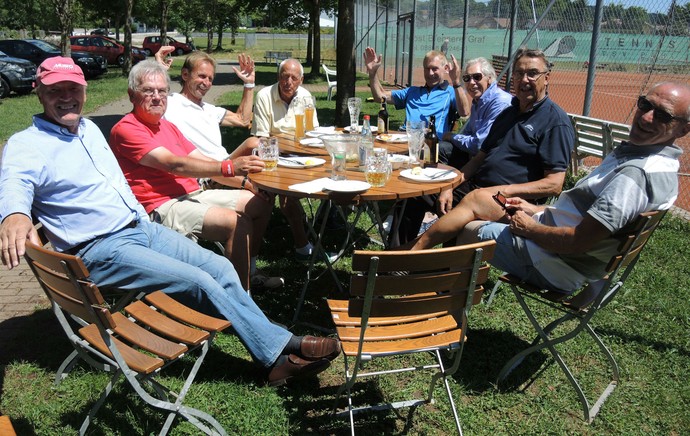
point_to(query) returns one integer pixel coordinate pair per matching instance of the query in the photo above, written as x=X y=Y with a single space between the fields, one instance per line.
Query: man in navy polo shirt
x=437 y=97
x=525 y=154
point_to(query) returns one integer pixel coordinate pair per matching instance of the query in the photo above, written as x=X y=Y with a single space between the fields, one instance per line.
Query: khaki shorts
x=186 y=214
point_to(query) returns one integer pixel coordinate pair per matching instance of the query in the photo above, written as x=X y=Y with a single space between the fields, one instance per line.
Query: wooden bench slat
x=383 y=347
x=136 y=360
x=164 y=325
x=180 y=312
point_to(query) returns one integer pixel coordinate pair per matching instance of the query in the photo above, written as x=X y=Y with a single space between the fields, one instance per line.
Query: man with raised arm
x=62 y=171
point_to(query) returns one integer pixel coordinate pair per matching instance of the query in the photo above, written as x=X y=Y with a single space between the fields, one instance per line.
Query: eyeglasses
x=150 y=92
x=659 y=114
x=532 y=75
x=476 y=77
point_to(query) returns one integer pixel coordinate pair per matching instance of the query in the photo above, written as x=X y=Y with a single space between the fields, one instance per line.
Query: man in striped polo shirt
x=561 y=246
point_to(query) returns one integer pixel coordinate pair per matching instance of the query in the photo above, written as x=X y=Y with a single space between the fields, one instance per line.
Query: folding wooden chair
x=156 y=332
x=581 y=307
x=6 y=428
x=405 y=302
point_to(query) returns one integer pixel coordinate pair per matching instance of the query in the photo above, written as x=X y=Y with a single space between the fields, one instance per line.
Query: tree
x=345 y=60
x=63 y=11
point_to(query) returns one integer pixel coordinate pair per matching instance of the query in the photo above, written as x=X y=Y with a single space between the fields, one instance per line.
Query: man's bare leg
x=233 y=231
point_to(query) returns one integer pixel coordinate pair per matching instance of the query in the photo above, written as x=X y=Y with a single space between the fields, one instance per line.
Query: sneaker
x=261 y=281
x=305 y=258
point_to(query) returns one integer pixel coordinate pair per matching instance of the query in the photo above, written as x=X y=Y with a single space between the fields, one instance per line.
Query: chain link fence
x=605 y=55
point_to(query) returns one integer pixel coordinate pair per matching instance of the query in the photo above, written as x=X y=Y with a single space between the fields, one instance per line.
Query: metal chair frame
x=581 y=307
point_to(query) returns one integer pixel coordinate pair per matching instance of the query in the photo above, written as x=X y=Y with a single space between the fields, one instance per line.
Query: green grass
x=646 y=328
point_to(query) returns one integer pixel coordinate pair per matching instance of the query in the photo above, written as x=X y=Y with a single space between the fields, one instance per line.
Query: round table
x=289 y=146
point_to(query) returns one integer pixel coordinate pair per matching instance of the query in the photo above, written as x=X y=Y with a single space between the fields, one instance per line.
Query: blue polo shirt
x=521 y=146
x=419 y=103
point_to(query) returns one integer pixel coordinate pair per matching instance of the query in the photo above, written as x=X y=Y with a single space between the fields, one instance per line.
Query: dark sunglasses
x=659 y=115
x=476 y=77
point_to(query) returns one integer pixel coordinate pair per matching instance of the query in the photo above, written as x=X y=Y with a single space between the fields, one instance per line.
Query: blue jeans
x=150 y=257
x=511 y=254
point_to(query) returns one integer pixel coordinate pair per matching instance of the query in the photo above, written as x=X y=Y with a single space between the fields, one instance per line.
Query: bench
x=595 y=137
x=277 y=56
x=499 y=62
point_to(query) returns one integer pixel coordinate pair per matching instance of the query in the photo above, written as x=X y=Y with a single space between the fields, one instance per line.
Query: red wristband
x=227 y=168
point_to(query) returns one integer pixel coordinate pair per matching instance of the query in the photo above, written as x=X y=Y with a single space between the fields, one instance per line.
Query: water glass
x=377 y=171
x=268 y=151
x=354 y=105
x=338 y=147
x=415 y=139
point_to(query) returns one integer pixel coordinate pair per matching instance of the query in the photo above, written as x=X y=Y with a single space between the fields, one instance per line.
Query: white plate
x=312 y=142
x=374 y=129
x=427 y=173
x=393 y=137
x=306 y=162
x=321 y=130
x=346 y=185
x=397 y=160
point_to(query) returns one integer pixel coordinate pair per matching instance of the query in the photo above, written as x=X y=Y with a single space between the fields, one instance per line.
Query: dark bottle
x=383 y=117
x=431 y=141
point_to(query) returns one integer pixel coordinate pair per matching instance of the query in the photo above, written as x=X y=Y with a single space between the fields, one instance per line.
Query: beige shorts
x=186 y=214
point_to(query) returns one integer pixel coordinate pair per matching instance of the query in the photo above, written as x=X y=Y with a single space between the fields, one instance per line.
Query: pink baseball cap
x=59 y=69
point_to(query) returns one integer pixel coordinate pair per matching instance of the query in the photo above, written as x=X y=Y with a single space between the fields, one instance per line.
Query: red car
x=110 y=49
x=153 y=43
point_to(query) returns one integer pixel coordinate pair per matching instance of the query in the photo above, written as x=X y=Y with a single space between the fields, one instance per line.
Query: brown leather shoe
x=313 y=348
x=295 y=367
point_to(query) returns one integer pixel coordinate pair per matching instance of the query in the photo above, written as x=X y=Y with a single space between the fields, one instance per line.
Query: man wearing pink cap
x=62 y=171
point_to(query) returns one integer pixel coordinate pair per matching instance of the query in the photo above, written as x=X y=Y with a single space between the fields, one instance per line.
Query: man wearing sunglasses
x=526 y=152
x=488 y=100
x=436 y=97
x=563 y=245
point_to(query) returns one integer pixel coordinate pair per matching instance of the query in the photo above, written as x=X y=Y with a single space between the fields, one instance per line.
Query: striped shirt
x=631 y=180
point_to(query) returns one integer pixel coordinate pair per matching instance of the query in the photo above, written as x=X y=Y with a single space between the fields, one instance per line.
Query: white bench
x=595 y=137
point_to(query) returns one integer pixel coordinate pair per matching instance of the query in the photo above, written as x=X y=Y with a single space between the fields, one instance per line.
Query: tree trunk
x=219 y=46
x=345 y=60
x=316 y=59
x=127 y=66
x=63 y=10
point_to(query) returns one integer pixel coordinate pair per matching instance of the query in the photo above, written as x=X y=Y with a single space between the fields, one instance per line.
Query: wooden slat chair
x=156 y=332
x=6 y=428
x=595 y=137
x=422 y=310
x=581 y=307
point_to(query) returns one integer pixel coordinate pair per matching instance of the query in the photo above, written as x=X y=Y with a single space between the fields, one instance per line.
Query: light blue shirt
x=420 y=103
x=71 y=183
x=484 y=111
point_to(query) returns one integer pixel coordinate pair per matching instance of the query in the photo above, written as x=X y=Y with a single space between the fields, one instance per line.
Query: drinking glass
x=308 y=113
x=338 y=146
x=377 y=171
x=354 y=105
x=415 y=139
x=298 y=107
x=268 y=151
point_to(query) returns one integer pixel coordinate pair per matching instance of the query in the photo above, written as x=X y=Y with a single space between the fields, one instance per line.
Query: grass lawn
x=646 y=328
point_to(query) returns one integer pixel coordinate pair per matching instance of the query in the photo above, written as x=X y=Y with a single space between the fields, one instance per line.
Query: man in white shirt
x=274 y=110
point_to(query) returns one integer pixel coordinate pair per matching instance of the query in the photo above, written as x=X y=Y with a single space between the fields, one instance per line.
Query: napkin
x=311 y=186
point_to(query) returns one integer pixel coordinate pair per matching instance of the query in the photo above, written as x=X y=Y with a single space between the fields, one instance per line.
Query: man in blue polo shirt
x=525 y=154
x=437 y=97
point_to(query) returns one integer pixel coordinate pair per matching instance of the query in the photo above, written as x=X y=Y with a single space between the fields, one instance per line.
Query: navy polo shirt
x=521 y=146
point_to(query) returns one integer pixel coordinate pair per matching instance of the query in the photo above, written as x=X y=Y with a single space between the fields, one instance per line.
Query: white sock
x=252 y=265
x=307 y=249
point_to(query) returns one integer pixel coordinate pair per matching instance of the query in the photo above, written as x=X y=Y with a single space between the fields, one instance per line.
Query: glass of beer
x=377 y=171
x=268 y=151
x=309 y=113
x=298 y=107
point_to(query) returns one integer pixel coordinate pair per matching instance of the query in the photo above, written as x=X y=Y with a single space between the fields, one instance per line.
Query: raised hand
x=163 y=55
x=372 y=61
x=454 y=71
x=246 y=71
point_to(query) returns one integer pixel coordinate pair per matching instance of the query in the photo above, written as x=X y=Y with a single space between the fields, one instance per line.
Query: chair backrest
x=64 y=279
x=329 y=72
x=409 y=283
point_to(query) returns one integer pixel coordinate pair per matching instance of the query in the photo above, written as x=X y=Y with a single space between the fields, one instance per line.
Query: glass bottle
x=431 y=141
x=383 y=117
x=366 y=142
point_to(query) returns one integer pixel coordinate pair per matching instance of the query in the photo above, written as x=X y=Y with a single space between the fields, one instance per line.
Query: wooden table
x=397 y=189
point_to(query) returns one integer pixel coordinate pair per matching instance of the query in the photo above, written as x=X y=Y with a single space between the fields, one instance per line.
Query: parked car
x=153 y=43
x=37 y=50
x=102 y=32
x=16 y=75
x=110 y=49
